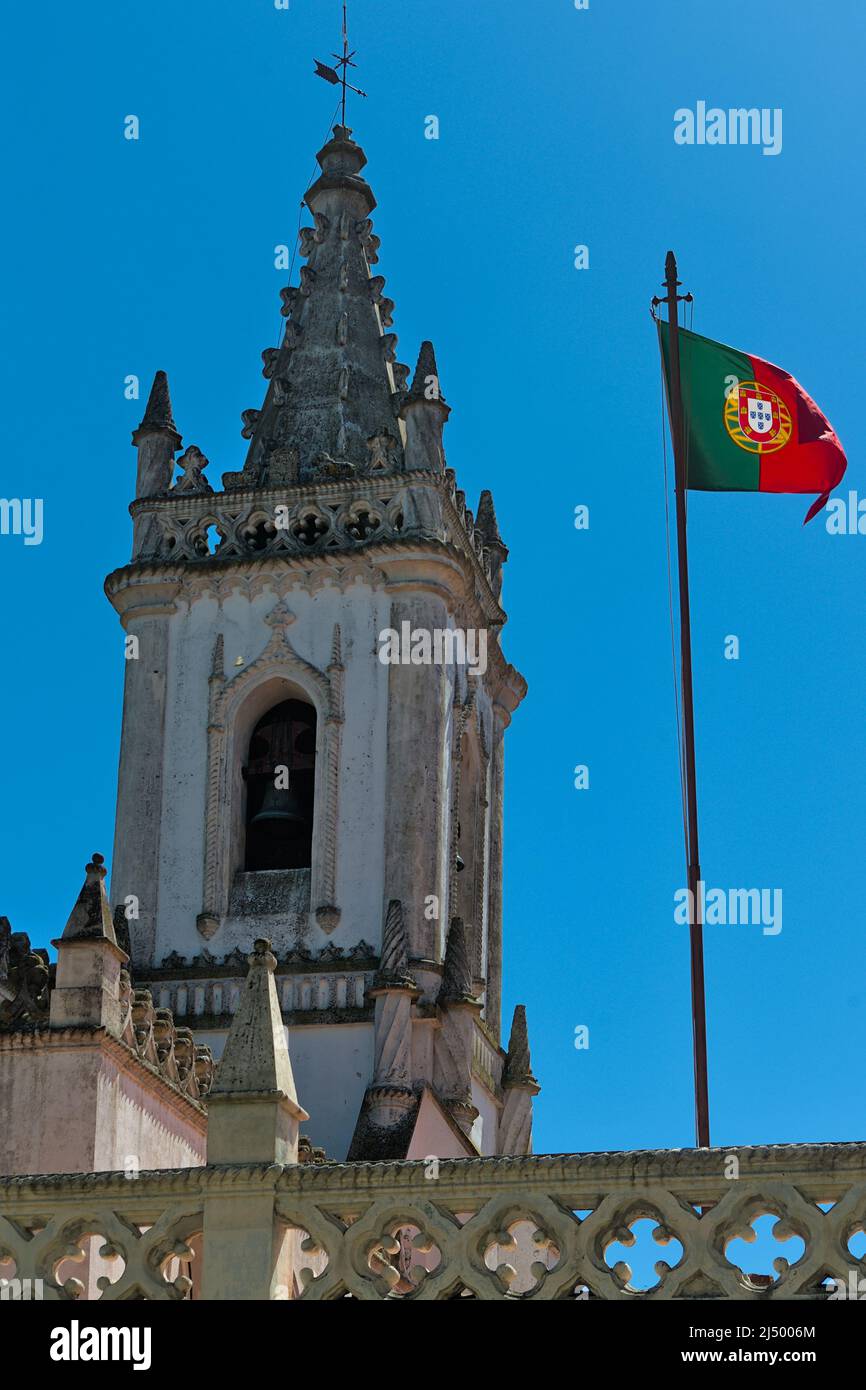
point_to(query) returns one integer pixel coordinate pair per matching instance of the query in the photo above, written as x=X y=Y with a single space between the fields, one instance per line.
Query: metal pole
x=699 y=1011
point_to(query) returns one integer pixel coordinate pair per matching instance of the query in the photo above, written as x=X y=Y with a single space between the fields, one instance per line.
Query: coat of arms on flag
x=756 y=419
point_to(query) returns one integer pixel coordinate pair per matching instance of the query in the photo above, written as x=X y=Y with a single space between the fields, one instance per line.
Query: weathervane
x=331 y=75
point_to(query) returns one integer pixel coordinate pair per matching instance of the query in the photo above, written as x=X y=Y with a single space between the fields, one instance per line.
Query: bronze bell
x=281 y=811
x=284 y=738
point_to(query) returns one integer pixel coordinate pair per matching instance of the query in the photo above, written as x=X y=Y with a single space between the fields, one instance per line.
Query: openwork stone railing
x=540 y=1227
x=303 y=520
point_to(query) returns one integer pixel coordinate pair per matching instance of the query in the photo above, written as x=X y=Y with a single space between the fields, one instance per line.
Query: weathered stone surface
x=24 y=979
x=281 y=893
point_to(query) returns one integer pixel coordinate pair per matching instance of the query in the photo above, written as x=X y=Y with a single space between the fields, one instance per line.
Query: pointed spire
x=157 y=441
x=518 y=1068
x=256 y=1056
x=158 y=417
x=332 y=394
x=456 y=976
x=395 y=951
x=393 y=969
x=426 y=385
x=488 y=527
x=90 y=918
x=519 y=1086
x=424 y=411
x=255 y=1069
x=86 y=992
x=486 y=521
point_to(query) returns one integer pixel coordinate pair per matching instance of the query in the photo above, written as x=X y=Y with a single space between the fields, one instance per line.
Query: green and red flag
x=749 y=426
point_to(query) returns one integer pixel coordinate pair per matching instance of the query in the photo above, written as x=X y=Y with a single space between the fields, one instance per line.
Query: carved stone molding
x=327 y=914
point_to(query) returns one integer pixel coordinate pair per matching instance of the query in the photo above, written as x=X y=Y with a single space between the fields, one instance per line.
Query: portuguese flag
x=749 y=426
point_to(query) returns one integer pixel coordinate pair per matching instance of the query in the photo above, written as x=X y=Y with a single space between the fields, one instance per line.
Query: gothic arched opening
x=280 y=776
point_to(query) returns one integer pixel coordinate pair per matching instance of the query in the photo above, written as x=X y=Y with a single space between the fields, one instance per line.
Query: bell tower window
x=280 y=778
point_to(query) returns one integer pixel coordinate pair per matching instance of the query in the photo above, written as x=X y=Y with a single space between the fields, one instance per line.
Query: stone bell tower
x=314 y=710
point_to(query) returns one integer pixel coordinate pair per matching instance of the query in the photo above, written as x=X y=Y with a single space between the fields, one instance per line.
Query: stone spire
x=253 y=1110
x=157 y=440
x=457 y=975
x=394 y=961
x=158 y=417
x=390 y=1099
x=91 y=918
x=487 y=524
x=518 y=1068
x=331 y=406
x=89 y=961
x=486 y=521
x=452 y=1048
x=425 y=383
x=425 y=412
x=518 y=1088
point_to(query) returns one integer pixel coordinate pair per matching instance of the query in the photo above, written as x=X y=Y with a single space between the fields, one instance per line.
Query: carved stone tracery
x=539 y=1228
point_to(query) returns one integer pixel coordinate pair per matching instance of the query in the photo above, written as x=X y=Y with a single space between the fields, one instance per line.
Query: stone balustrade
x=296 y=521
x=542 y=1227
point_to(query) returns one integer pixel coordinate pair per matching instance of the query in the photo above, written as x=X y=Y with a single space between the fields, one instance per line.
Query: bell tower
x=314 y=708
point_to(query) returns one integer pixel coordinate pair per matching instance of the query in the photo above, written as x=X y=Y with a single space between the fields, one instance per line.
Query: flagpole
x=696 y=943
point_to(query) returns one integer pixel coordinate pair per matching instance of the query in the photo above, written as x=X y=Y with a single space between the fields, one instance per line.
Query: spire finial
x=518 y=1067
x=158 y=417
x=255 y=1072
x=425 y=383
x=394 y=962
x=456 y=985
x=485 y=520
x=90 y=918
x=344 y=61
x=255 y=1058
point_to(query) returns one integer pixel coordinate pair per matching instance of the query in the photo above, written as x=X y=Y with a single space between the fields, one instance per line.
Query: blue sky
x=556 y=129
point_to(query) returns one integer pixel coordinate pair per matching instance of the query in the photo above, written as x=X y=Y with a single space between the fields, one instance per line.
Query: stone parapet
x=535 y=1227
